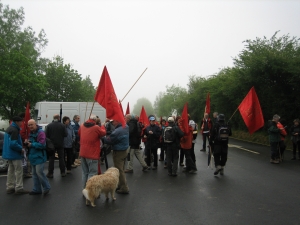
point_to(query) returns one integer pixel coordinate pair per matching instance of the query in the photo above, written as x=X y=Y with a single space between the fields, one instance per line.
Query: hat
x=17 y=118
x=221 y=117
x=170 y=119
x=152 y=118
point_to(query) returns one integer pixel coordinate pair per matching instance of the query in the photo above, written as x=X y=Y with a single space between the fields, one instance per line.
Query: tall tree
x=147 y=105
x=21 y=73
x=87 y=90
x=64 y=82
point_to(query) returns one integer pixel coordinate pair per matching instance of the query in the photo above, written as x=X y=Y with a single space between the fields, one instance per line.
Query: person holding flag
x=206 y=125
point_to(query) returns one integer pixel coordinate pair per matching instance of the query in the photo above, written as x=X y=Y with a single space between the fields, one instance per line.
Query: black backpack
x=223 y=133
x=169 y=134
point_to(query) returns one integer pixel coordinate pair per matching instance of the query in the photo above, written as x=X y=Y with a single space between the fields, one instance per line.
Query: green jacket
x=274 y=133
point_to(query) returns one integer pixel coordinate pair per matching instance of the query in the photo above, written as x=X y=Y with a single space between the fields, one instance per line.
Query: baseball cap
x=152 y=118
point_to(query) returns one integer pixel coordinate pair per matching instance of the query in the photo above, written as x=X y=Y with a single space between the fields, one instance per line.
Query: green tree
x=21 y=66
x=147 y=105
x=87 y=90
x=64 y=83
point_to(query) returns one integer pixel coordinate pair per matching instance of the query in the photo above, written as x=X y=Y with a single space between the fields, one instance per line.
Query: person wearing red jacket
x=186 y=147
x=206 y=126
x=282 y=145
x=90 y=135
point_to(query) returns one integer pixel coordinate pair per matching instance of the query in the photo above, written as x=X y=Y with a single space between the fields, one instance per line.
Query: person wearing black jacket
x=56 y=132
x=134 y=143
x=152 y=134
x=219 y=147
x=173 y=149
x=295 y=131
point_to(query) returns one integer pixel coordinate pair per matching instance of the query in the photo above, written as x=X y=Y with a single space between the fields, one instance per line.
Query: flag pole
x=134 y=84
x=92 y=109
x=233 y=113
x=85 y=111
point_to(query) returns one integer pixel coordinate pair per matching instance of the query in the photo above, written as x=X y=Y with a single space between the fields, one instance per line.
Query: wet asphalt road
x=252 y=191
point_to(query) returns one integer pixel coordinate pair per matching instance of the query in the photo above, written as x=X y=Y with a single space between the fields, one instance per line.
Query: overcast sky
x=173 y=39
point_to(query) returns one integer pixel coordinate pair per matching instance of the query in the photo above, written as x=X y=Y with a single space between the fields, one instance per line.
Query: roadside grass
x=259 y=137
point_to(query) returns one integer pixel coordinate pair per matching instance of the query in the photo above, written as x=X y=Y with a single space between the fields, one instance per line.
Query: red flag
x=185 y=119
x=25 y=129
x=143 y=117
x=120 y=103
x=251 y=111
x=106 y=97
x=127 y=110
x=207 y=104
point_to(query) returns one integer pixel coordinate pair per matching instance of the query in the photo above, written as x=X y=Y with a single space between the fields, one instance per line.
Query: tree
x=21 y=73
x=64 y=82
x=147 y=105
x=87 y=90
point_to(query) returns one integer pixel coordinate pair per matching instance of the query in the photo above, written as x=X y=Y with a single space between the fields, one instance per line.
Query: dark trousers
x=69 y=155
x=204 y=137
x=172 y=158
x=60 y=152
x=220 y=154
x=190 y=165
x=162 y=151
x=76 y=147
x=181 y=156
x=274 y=150
x=149 y=152
x=295 y=146
x=193 y=153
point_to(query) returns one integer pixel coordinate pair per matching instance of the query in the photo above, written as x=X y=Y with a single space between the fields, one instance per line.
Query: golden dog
x=103 y=183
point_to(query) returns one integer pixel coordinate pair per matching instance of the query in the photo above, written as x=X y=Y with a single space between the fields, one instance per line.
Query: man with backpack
x=172 y=135
x=219 y=143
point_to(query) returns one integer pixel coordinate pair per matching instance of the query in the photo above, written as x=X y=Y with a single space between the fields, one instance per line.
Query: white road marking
x=240 y=147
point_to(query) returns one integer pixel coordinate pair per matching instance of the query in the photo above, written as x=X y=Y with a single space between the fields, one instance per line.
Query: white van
x=44 y=111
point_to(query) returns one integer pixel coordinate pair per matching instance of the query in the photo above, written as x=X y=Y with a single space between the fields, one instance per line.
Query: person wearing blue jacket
x=119 y=139
x=68 y=143
x=37 y=157
x=13 y=152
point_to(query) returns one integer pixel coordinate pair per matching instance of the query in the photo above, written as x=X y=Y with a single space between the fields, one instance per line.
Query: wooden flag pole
x=92 y=109
x=134 y=84
x=85 y=110
x=233 y=113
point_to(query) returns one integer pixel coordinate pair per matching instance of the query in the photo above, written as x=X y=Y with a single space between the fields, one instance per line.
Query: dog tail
x=85 y=192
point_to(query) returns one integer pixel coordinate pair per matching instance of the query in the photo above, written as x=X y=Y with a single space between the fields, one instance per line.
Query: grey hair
x=215 y=113
x=276 y=117
x=93 y=117
x=75 y=117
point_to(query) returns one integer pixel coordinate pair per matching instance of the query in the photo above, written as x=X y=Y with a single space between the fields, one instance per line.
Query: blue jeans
x=89 y=168
x=39 y=178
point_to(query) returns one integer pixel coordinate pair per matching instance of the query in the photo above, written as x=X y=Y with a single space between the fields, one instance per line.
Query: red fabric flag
x=207 y=104
x=127 y=110
x=251 y=111
x=25 y=129
x=106 y=97
x=121 y=107
x=185 y=119
x=143 y=117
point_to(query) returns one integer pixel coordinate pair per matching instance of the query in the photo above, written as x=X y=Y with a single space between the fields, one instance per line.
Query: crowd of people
x=81 y=145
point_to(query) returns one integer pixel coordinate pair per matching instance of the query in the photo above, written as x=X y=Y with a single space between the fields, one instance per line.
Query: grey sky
x=173 y=39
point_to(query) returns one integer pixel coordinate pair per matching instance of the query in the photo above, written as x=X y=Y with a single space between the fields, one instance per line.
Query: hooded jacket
x=37 y=150
x=12 y=146
x=90 y=135
x=119 y=138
